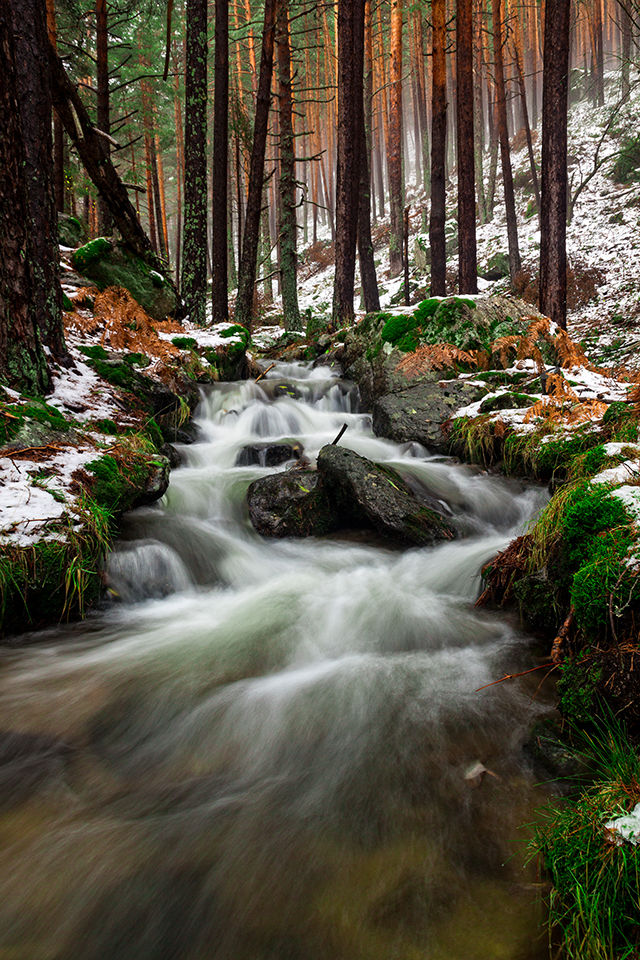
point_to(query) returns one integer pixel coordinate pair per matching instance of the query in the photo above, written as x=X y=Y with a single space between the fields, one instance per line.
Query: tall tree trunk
x=22 y=362
x=527 y=127
x=437 y=240
x=194 y=243
x=467 y=256
x=104 y=123
x=505 y=154
x=350 y=129
x=422 y=96
x=394 y=158
x=626 y=27
x=553 y=208
x=368 y=277
x=249 y=261
x=220 y=289
x=478 y=126
x=31 y=42
x=287 y=178
x=58 y=130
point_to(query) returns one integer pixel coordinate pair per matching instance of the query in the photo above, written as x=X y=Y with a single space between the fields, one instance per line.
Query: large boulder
x=71 y=231
x=419 y=412
x=111 y=263
x=291 y=504
x=374 y=496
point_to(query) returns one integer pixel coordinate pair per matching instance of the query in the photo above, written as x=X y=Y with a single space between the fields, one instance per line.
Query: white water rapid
x=274 y=750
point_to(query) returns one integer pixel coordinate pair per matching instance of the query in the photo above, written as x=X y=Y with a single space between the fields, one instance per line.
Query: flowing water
x=266 y=749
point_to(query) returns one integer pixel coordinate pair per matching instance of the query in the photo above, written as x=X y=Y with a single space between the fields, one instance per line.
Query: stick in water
x=265 y=372
x=342 y=430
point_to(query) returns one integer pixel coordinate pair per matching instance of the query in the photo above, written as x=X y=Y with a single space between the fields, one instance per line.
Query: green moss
x=577 y=689
x=94 y=351
x=538 y=603
x=396 y=326
x=93 y=251
x=137 y=359
x=185 y=343
x=67 y=304
x=105 y=426
x=118 y=374
x=507 y=401
x=236 y=330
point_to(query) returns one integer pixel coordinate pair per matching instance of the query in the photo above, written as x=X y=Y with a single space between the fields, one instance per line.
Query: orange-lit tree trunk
x=251 y=239
x=368 y=277
x=437 y=241
x=394 y=156
x=505 y=154
x=287 y=178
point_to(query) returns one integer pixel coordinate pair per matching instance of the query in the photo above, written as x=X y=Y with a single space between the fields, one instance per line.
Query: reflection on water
x=266 y=749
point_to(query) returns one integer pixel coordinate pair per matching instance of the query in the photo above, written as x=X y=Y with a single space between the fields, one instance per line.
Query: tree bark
x=368 y=277
x=248 y=263
x=467 y=255
x=437 y=240
x=31 y=42
x=22 y=361
x=394 y=159
x=220 y=213
x=105 y=221
x=553 y=202
x=505 y=153
x=194 y=243
x=287 y=178
x=350 y=129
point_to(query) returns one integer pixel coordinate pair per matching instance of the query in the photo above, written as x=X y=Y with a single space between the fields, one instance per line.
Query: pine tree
x=437 y=240
x=394 y=158
x=467 y=259
x=219 y=191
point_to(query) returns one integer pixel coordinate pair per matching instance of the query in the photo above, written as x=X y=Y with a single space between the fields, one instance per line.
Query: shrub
x=627 y=165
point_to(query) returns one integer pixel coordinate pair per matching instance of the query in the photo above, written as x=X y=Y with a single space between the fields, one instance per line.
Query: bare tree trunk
x=527 y=127
x=467 y=255
x=22 y=362
x=350 y=130
x=31 y=42
x=287 y=178
x=626 y=27
x=437 y=240
x=368 y=277
x=220 y=213
x=248 y=264
x=394 y=158
x=505 y=154
x=553 y=210
x=194 y=244
x=102 y=77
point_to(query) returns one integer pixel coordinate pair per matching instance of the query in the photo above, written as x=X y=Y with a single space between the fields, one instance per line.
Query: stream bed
x=275 y=750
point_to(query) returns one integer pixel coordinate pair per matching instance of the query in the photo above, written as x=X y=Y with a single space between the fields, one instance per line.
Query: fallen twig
x=265 y=372
x=512 y=676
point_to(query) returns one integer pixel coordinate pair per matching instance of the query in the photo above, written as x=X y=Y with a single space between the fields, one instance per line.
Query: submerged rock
x=268 y=454
x=375 y=496
x=418 y=413
x=291 y=504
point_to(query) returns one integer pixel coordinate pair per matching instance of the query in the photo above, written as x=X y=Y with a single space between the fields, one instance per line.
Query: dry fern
x=437 y=356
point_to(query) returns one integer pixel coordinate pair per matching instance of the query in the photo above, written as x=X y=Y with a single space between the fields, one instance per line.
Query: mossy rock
x=537 y=599
x=108 y=264
x=71 y=231
x=497 y=267
x=507 y=401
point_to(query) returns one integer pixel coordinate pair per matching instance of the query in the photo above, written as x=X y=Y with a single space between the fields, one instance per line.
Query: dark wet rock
x=497 y=267
x=110 y=263
x=268 y=454
x=553 y=757
x=418 y=413
x=172 y=454
x=27 y=762
x=506 y=401
x=375 y=496
x=156 y=482
x=291 y=504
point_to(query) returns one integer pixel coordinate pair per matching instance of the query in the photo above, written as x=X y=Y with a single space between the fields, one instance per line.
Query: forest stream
x=276 y=749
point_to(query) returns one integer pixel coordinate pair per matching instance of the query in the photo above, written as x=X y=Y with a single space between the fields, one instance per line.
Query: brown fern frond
x=537 y=328
x=503 y=346
x=434 y=356
x=548 y=408
x=558 y=387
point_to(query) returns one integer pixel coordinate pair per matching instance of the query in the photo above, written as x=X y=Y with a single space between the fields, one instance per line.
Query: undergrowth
x=595 y=897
